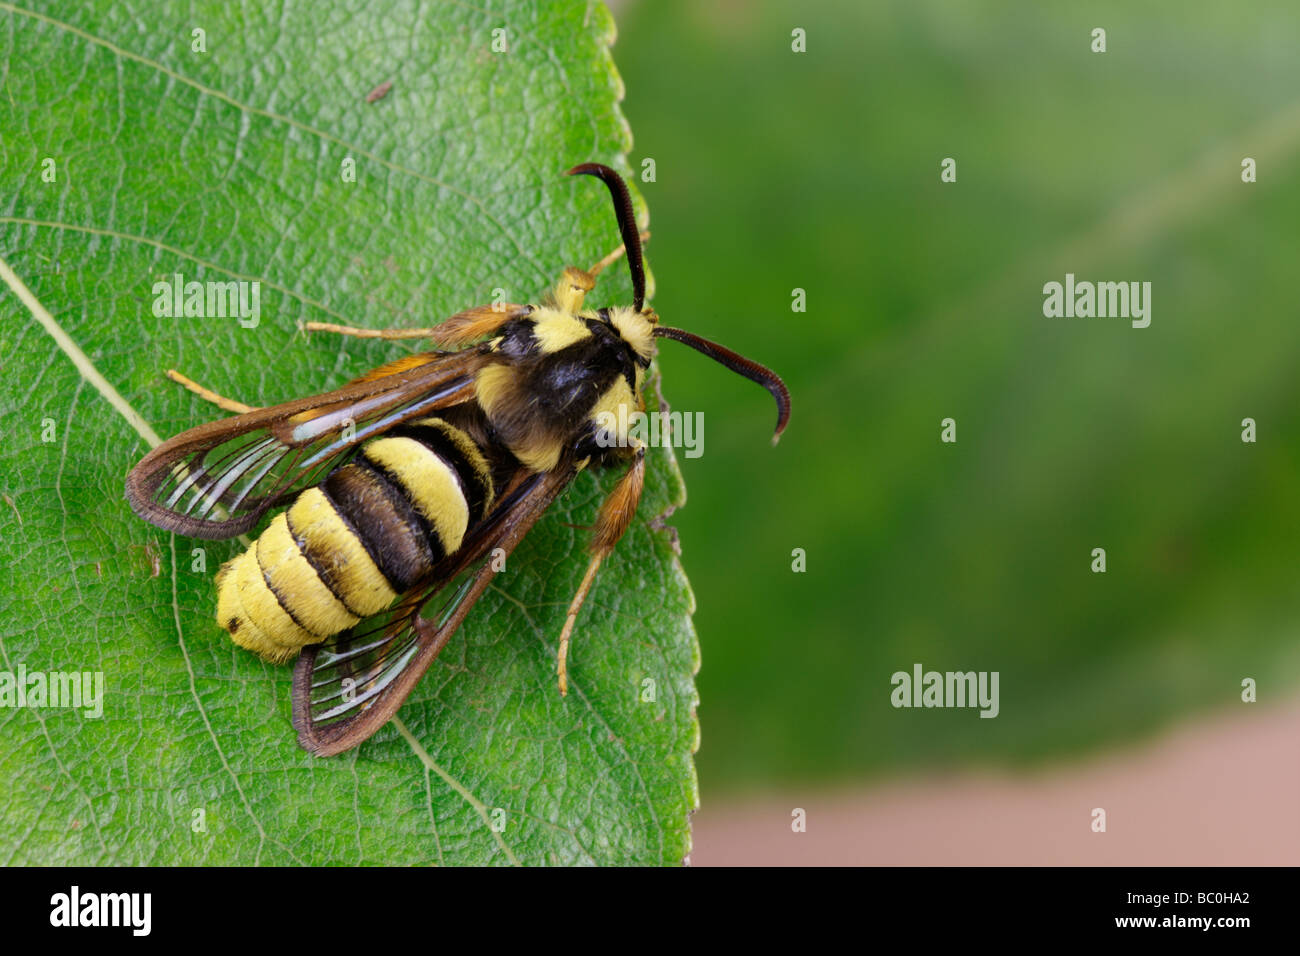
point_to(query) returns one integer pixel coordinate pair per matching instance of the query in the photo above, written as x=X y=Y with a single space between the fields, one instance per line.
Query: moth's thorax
x=561 y=377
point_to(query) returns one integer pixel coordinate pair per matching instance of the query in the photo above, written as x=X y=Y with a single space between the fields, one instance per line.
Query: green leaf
x=227 y=164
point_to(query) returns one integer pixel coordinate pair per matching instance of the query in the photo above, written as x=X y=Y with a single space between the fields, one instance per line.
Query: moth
x=400 y=486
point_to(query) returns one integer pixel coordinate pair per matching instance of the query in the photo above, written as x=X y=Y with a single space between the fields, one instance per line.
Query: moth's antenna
x=626 y=223
x=741 y=366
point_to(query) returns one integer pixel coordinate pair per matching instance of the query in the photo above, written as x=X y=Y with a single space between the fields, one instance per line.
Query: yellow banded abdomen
x=345 y=549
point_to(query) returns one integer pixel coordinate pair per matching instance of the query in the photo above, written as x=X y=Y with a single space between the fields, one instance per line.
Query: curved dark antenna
x=741 y=366
x=626 y=223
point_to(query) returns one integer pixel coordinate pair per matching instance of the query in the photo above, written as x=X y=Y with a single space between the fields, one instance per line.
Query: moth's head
x=635 y=328
x=639 y=326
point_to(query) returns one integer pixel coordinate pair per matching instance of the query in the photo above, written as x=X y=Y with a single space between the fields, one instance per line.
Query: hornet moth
x=401 y=484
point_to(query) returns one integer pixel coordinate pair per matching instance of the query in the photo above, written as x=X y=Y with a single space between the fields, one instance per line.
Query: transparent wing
x=217 y=480
x=348 y=687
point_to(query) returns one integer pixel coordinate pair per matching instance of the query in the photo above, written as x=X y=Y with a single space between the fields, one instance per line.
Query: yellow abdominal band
x=272 y=598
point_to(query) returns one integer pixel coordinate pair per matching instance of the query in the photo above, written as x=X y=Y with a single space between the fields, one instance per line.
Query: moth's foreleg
x=228 y=404
x=613 y=521
x=459 y=329
x=366 y=333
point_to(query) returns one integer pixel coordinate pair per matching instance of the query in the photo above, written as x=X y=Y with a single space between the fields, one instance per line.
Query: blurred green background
x=820 y=170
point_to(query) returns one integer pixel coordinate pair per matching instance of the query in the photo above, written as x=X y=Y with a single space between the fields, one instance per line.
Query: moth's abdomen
x=347 y=548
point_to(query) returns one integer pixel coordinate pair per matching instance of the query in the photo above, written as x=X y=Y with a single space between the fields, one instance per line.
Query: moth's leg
x=614 y=256
x=228 y=404
x=459 y=329
x=576 y=283
x=614 y=519
x=366 y=333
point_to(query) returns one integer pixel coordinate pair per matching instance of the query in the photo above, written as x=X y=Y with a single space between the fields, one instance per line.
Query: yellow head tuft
x=637 y=329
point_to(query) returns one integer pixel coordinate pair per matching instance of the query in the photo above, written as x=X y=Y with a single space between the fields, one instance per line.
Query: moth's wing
x=217 y=480
x=348 y=687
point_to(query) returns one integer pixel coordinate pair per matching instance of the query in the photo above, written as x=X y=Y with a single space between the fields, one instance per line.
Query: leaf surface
x=228 y=165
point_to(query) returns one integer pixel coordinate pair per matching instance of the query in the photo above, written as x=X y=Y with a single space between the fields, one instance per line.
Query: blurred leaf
x=226 y=165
